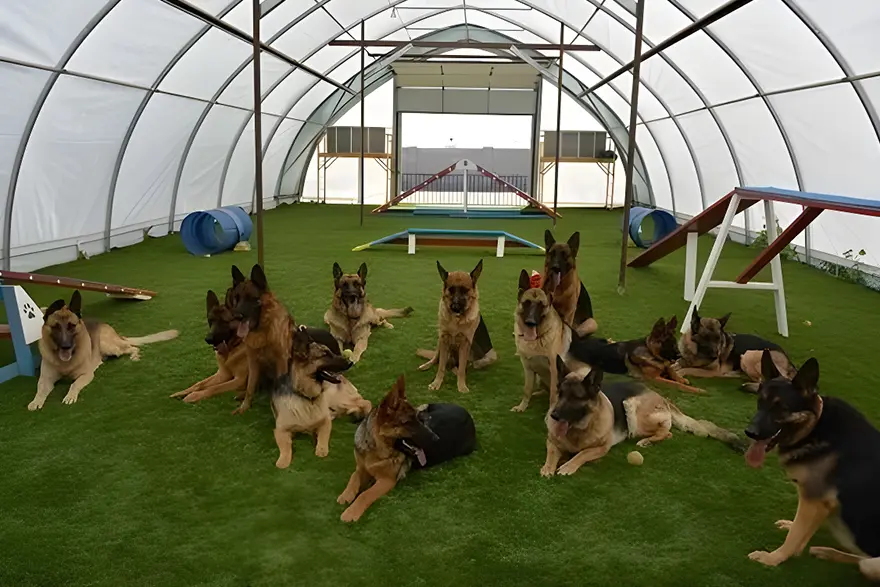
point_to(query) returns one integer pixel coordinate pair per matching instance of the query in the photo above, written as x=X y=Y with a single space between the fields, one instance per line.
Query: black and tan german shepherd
x=351 y=316
x=832 y=453
x=395 y=437
x=708 y=350
x=462 y=335
x=561 y=281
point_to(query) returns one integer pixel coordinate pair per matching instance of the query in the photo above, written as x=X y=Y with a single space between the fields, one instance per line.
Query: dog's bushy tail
x=151 y=338
x=704 y=428
x=394 y=313
x=426 y=353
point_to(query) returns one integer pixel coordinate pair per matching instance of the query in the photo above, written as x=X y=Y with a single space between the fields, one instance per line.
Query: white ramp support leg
x=412 y=244
x=712 y=262
x=690 y=268
x=499 y=250
x=776 y=272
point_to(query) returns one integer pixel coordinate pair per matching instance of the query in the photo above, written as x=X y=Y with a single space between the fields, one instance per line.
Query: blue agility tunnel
x=664 y=224
x=209 y=232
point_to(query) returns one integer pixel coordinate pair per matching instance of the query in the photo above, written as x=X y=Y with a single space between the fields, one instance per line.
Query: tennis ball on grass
x=635 y=458
x=347 y=354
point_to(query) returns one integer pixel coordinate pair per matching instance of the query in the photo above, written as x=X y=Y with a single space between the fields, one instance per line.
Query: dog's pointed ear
x=53 y=307
x=768 y=367
x=393 y=398
x=475 y=274
x=807 y=378
x=443 y=272
x=237 y=275
x=723 y=320
x=258 y=277
x=672 y=324
x=574 y=243
x=362 y=272
x=75 y=304
x=400 y=387
x=593 y=380
x=549 y=241
x=211 y=300
x=561 y=368
x=525 y=283
x=659 y=327
x=337 y=271
x=695 y=322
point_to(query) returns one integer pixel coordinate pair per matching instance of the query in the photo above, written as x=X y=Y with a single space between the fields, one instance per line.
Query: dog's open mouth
x=555 y=278
x=530 y=333
x=560 y=427
x=414 y=451
x=221 y=348
x=354 y=307
x=65 y=354
x=243 y=328
x=759 y=448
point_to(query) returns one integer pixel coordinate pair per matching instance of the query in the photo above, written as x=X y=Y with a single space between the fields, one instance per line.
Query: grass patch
x=129 y=487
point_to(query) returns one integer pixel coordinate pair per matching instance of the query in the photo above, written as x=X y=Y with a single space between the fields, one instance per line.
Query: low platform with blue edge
x=456 y=238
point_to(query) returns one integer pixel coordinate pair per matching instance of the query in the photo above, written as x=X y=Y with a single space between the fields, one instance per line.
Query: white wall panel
x=275 y=153
x=308 y=34
x=610 y=34
x=239 y=186
x=209 y=62
x=682 y=170
x=149 y=165
x=662 y=20
x=713 y=156
x=293 y=86
x=836 y=232
x=19 y=87
x=349 y=12
x=851 y=25
x=669 y=85
x=776 y=46
x=241 y=91
x=135 y=42
x=65 y=175
x=42 y=35
x=212 y=6
x=305 y=106
x=241 y=16
x=200 y=182
x=656 y=169
x=710 y=69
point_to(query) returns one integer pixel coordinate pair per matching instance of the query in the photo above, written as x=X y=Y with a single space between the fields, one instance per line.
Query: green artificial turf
x=129 y=487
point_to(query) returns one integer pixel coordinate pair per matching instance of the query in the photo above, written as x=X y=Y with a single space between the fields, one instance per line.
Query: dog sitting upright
x=231 y=355
x=396 y=437
x=708 y=350
x=832 y=453
x=462 y=333
x=561 y=281
x=265 y=326
x=73 y=348
x=590 y=418
x=351 y=316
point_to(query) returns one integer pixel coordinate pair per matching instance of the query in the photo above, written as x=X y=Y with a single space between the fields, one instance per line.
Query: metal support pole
x=631 y=146
x=258 y=134
x=558 y=123
x=361 y=166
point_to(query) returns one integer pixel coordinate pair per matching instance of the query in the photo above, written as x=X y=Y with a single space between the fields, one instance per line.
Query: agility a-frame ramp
x=532 y=209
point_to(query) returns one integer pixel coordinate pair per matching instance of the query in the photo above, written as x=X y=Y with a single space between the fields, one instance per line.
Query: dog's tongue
x=557 y=279
x=756 y=453
x=243 y=328
x=222 y=348
x=420 y=454
x=65 y=354
x=530 y=333
x=561 y=428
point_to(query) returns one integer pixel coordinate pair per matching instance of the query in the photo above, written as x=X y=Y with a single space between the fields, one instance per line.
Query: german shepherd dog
x=589 y=419
x=540 y=337
x=560 y=280
x=231 y=355
x=74 y=348
x=351 y=316
x=462 y=333
x=649 y=357
x=708 y=350
x=832 y=453
x=266 y=329
x=317 y=394
x=396 y=437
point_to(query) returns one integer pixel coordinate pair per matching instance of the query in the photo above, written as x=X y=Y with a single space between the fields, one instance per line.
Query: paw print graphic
x=29 y=310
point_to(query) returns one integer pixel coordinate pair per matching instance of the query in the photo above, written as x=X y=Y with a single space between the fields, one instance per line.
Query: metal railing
x=449 y=190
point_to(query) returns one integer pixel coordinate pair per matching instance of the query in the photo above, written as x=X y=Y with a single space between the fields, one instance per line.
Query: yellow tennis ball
x=347 y=354
x=635 y=458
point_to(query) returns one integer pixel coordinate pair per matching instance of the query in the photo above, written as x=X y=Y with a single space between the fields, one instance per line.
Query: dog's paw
x=388 y=325
x=643 y=443
x=462 y=388
x=321 y=451
x=194 y=397
x=771 y=559
x=435 y=385
x=548 y=471
x=36 y=405
x=519 y=408
x=784 y=524
x=350 y=515
x=70 y=398
x=345 y=498
x=240 y=410
x=567 y=469
x=283 y=462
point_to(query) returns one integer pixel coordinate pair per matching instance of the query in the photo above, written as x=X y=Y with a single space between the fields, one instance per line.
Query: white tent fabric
x=124 y=115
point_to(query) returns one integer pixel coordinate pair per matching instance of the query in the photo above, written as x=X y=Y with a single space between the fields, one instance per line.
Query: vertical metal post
x=361 y=166
x=258 y=133
x=558 y=122
x=631 y=146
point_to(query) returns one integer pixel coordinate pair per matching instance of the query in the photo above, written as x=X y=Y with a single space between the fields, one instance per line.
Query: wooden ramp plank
x=18 y=278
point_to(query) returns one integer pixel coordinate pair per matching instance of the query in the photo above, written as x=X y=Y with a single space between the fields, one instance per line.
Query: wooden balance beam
x=455 y=238
x=114 y=291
